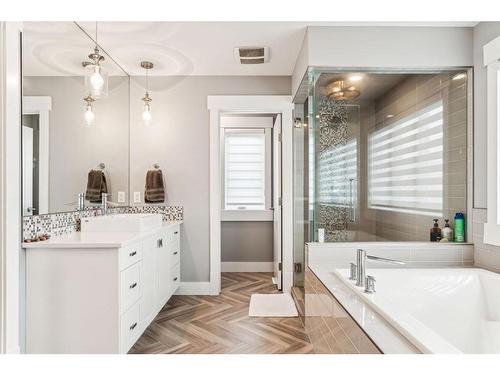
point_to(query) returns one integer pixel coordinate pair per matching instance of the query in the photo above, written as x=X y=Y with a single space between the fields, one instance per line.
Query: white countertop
x=79 y=240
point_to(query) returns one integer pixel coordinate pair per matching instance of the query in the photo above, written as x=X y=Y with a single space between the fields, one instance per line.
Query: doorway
x=250 y=170
x=251 y=209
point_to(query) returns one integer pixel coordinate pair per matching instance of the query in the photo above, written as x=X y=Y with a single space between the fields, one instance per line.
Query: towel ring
x=156 y=166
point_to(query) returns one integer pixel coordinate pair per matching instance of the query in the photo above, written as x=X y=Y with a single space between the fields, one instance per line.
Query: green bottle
x=459 y=227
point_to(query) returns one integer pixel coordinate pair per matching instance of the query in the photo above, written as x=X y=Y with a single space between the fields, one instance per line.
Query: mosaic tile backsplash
x=67 y=222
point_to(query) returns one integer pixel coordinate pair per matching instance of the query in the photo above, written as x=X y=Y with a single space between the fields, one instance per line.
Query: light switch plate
x=121 y=197
x=137 y=197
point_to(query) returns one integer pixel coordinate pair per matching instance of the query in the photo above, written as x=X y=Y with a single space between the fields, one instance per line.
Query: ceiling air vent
x=251 y=55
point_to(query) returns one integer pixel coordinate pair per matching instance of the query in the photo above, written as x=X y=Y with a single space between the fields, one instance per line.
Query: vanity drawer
x=175 y=274
x=130 y=327
x=130 y=254
x=175 y=253
x=130 y=286
x=173 y=234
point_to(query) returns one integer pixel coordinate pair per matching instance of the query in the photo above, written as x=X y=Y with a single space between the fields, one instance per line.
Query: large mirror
x=75 y=124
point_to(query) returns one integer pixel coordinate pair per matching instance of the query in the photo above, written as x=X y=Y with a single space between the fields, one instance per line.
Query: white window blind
x=338 y=168
x=405 y=161
x=245 y=169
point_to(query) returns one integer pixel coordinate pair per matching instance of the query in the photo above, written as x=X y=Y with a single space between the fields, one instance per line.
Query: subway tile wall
x=414 y=93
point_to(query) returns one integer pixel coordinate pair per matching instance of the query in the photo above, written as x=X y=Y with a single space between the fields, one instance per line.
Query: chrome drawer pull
x=132 y=327
x=132 y=253
x=133 y=286
x=175 y=278
x=176 y=232
x=176 y=253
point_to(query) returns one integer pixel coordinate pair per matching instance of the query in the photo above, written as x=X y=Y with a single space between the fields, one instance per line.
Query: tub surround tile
x=412 y=253
x=68 y=222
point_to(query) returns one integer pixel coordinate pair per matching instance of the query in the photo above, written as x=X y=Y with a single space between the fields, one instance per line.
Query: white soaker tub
x=440 y=310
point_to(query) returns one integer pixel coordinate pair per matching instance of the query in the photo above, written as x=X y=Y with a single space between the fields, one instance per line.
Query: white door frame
x=10 y=186
x=41 y=106
x=271 y=104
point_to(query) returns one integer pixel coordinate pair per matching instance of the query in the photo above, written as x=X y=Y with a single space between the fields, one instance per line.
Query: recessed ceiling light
x=355 y=78
x=389 y=116
x=459 y=76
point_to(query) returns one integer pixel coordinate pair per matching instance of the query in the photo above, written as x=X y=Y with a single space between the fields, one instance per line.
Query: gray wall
x=247 y=241
x=483 y=33
x=391 y=47
x=75 y=149
x=178 y=140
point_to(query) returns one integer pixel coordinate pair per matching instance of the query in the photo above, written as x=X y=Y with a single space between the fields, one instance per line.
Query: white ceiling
x=176 y=48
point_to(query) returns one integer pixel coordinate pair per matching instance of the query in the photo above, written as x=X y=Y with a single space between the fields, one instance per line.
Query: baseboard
x=247 y=266
x=193 y=289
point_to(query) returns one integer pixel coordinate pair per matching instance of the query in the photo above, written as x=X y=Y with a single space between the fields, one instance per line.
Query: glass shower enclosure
x=378 y=155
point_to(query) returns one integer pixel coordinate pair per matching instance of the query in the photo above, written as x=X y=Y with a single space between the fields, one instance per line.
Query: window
x=405 y=164
x=338 y=167
x=246 y=170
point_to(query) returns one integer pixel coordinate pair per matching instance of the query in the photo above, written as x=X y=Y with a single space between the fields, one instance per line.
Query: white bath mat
x=272 y=305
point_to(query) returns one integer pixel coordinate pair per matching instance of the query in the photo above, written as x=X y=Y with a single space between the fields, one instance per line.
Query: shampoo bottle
x=435 y=232
x=447 y=231
x=459 y=227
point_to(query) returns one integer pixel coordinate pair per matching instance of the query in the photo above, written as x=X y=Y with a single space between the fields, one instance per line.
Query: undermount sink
x=121 y=223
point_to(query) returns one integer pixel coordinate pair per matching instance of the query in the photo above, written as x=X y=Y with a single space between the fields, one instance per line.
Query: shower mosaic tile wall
x=67 y=222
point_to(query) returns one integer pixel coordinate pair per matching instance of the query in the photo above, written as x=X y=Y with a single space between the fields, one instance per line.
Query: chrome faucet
x=104 y=204
x=81 y=202
x=361 y=257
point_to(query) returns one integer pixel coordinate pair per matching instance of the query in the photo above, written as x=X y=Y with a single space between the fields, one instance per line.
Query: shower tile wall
x=407 y=97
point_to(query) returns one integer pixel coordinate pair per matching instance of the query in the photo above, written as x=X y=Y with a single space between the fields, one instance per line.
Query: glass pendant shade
x=96 y=80
x=88 y=114
x=147 y=116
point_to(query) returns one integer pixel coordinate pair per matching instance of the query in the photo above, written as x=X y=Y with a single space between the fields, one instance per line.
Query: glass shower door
x=337 y=179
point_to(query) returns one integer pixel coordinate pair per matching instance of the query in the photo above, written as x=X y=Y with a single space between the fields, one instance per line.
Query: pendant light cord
x=96 y=43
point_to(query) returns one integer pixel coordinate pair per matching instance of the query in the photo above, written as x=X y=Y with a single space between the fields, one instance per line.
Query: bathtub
x=439 y=310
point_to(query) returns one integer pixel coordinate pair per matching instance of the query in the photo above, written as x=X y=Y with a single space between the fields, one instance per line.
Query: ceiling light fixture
x=355 y=78
x=146 y=113
x=459 y=76
x=340 y=90
x=89 y=115
x=96 y=77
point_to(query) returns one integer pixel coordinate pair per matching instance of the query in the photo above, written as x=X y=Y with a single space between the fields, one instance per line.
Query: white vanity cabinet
x=98 y=292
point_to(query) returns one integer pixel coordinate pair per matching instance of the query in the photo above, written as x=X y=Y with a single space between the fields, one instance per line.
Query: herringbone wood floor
x=220 y=324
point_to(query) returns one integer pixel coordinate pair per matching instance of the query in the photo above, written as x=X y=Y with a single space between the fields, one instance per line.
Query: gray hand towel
x=154 y=191
x=96 y=185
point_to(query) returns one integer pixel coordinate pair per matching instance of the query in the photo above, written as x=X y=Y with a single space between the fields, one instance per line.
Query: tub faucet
x=361 y=257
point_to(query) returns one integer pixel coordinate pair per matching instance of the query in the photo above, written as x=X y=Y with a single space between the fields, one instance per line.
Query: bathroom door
x=27 y=171
x=277 y=245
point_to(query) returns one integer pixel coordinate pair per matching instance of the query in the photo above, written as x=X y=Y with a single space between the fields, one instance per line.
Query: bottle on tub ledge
x=459 y=227
x=447 y=232
x=321 y=234
x=435 y=232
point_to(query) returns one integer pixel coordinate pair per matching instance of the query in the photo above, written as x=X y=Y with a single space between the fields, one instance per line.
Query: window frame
x=491 y=56
x=267 y=214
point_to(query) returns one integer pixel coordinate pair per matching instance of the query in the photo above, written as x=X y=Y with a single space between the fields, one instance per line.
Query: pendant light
x=146 y=111
x=89 y=115
x=96 y=77
x=341 y=90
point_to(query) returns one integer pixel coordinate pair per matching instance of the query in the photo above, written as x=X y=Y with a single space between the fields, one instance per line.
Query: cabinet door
x=163 y=267
x=150 y=278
